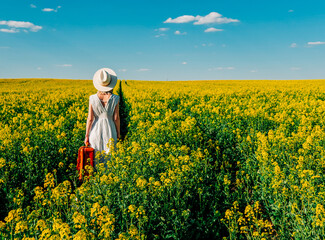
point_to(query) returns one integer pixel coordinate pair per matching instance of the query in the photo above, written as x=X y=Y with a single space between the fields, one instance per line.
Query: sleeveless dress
x=103 y=128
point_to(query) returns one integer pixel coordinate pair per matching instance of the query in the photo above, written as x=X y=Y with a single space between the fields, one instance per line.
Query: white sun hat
x=104 y=79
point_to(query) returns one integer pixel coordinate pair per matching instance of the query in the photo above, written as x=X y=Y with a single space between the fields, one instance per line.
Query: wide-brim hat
x=104 y=79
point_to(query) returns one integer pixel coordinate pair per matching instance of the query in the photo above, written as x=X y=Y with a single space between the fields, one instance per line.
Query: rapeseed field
x=197 y=160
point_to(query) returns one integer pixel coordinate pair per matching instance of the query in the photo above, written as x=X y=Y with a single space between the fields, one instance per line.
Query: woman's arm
x=117 y=120
x=90 y=120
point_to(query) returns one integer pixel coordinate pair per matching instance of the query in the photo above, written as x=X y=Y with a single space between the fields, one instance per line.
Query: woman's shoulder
x=91 y=97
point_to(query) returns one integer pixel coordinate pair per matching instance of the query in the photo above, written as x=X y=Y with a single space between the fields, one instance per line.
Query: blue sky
x=163 y=40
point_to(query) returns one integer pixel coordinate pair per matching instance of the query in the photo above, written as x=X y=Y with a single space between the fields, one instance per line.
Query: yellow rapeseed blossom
x=41 y=225
x=14 y=215
x=2 y=162
x=79 y=220
x=260 y=142
x=39 y=194
x=132 y=208
x=46 y=234
x=2 y=225
x=49 y=181
x=141 y=182
x=21 y=226
x=133 y=231
x=320 y=215
x=80 y=235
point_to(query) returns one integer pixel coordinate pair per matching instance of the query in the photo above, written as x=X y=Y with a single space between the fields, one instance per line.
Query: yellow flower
x=56 y=224
x=229 y=214
x=95 y=209
x=2 y=225
x=108 y=227
x=79 y=220
x=257 y=207
x=132 y=208
x=133 y=231
x=104 y=179
x=2 y=162
x=226 y=181
x=26 y=150
x=80 y=235
x=38 y=193
x=241 y=221
x=320 y=215
x=21 y=227
x=249 y=213
x=41 y=225
x=64 y=231
x=49 y=181
x=141 y=182
x=55 y=237
x=122 y=236
x=157 y=184
x=140 y=212
x=14 y=215
x=46 y=234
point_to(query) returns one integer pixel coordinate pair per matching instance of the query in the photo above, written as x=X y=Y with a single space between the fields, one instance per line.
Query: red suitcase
x=85 y=157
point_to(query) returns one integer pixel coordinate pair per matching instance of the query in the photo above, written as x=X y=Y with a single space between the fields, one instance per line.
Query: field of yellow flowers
x=198 y=160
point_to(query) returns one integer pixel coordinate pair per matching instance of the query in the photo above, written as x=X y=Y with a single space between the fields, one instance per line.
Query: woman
x=103 y=122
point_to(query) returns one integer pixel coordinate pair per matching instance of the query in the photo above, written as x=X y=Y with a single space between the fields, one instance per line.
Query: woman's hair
x=105 y=92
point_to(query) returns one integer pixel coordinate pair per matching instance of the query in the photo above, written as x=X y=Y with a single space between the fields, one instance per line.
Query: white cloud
x=293 y=45
x=143 y=70
x=291 y=10
x=213 y=30
x=294 y=69
x=253 y=71
x=19 y=24
x=48 y=10
x=33 y=6
x=181 y=19
x=160 y=35
x=64 y=65
x=122 y=70
x=212 y=17
x=205 y=45
x=12 y=30
x=162 y=29
x=184 y=63
x=39 y=68
x=51 y=9
x=4 y=47
x=316 y=43
x=221 y=68
x=180 y=33
x=225 y=68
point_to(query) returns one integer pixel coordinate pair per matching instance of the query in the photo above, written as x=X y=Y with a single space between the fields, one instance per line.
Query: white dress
x=103 y=128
